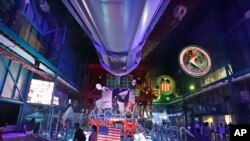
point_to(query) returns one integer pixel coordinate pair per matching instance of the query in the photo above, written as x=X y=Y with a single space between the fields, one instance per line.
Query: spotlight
x=247 y=14
x=98 y=86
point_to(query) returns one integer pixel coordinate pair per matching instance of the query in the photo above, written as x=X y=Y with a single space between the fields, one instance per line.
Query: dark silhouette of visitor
x=79 y=134
x=206 y=132
x=31 y=126
x=2 y=125
x=222 y=131
x=93 y=135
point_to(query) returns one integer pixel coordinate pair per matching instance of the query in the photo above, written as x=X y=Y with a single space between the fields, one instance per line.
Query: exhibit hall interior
x=124 y=70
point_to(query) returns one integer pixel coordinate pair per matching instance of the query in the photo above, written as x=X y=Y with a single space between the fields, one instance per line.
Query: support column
x=184 y=107
x=5 y=76
x=16 y=81
x=51 y=104
x=21 y=113
x=11 y=76
x=231 y=103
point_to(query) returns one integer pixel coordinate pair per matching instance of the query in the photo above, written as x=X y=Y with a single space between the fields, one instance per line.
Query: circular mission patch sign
x=195 y=61
x=166 y=84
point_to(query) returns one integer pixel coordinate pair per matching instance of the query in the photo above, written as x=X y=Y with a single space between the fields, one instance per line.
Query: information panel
x=40 y=92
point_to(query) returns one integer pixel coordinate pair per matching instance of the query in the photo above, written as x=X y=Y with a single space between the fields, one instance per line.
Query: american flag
x=109 y=134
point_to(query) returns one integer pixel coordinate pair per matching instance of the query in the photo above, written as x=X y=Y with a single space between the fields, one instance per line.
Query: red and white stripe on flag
x=114 y=134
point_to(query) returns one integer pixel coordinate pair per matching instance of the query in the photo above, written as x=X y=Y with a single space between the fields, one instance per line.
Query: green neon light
x=157 y=99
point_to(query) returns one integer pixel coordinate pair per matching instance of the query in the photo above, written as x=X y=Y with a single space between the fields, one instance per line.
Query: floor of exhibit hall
x=20 y=137
x=24 y=137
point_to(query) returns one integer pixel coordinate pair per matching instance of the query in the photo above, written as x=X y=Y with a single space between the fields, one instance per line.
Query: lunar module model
x=117 y=109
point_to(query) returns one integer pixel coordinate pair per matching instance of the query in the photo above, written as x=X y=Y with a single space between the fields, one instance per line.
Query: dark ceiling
x=208 y=25
x=210 y=16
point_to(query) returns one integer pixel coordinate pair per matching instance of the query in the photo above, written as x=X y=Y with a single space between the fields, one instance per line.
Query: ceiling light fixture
x=98 y=86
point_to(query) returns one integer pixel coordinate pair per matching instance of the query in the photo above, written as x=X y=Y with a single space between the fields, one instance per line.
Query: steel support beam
x=21 y=112
x=5 y=76
x=11 y=34
x=23 y=62
x=12 y=77
x=17 y=40
x=51 y=103
x=185 y=111
x=231 y=100
x=10 y=101
x=16 y=81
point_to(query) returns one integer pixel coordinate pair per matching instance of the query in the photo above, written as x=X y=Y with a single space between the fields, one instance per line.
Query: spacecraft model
x=117 y=28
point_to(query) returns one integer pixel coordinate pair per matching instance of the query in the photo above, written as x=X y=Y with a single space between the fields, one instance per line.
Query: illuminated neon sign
x=166 y=84
x=195 y=61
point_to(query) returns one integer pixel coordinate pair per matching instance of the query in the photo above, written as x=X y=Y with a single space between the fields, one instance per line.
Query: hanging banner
x=195 y=61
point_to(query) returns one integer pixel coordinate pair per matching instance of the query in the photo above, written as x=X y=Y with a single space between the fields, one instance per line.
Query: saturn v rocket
x=117 y=28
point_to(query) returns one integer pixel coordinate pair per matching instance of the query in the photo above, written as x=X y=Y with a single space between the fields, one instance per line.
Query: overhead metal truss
x=40 y=66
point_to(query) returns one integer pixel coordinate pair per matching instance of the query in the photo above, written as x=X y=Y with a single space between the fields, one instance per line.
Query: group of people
x=30 y=130
x=210 y=132
x=199 y=132
x=80 y=135
x=164 y=132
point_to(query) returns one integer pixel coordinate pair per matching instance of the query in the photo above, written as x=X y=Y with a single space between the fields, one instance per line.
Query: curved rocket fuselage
x=117 y=28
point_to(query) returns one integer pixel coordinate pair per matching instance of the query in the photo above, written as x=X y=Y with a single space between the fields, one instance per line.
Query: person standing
x=222 y=132
x=79 y=134
x=66 y=125
x=93 y=135
x=206 y=132
x=228 y=129
x=1 y=131
x=212 y=128
x=197 y=127
x=31 y=126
